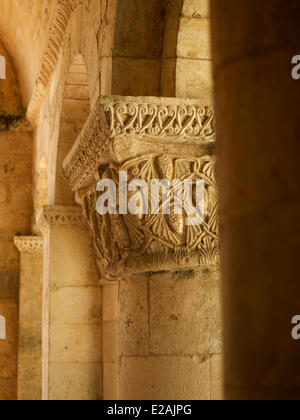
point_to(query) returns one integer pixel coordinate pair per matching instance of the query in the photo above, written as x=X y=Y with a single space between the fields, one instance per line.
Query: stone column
x=168 y=300
x=257 y=105
x=30 y=317
x=72 y=344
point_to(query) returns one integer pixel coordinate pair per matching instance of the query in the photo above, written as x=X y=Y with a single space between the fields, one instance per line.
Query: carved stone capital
x=29 y=244
x=59 y=216
x=147 y=138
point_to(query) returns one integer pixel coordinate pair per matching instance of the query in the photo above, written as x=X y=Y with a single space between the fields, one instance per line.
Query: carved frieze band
x=29 y=244
x=160 y=118
x=59 y=216
x=56 y=39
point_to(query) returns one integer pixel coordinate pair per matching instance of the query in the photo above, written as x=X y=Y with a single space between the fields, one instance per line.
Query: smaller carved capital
x=59 y=216
x=29 y=244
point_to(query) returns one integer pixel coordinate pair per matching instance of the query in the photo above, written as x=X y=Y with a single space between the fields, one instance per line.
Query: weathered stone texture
x=170 y=323
x=15 y=219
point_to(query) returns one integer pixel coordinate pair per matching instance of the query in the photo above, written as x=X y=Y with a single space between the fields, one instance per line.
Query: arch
x=74 y=113
x=24 y=26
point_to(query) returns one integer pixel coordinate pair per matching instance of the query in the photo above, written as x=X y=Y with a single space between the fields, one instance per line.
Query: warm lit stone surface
x=134 y=316
x=72 y=302
x=10 y=100
x=75 y=381
x=153 y=334
x=110 y=340
x=15 y=218
x=30 y=318
x=193 y=41
x=216 y=372
x=164 y=378
x=193 y=69
x=77 y=305
x=194 y=301
x=196 y=8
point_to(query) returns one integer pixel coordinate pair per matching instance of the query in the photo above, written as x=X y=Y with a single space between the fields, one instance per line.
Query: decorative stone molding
x=128 y=243
x=157 y=118
x=59 y=216
x=29 y=244
x=56 y=39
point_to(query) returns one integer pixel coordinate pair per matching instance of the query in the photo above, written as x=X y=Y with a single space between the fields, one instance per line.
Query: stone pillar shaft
x=30 y=317
x=72 y=297
x=110 y=339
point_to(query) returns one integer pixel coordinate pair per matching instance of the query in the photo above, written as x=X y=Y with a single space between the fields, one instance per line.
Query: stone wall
x=16 y=156
x=193 y=69
x=10 y=100
x=15 y=219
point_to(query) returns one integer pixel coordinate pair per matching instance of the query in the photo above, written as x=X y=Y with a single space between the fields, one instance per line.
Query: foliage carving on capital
x=155 y=242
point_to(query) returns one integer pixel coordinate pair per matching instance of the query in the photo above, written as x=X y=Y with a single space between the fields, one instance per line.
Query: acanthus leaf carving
x=164 y=240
